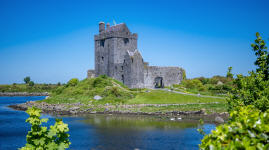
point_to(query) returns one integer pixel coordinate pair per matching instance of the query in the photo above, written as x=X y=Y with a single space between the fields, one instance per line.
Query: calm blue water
x=104 y=132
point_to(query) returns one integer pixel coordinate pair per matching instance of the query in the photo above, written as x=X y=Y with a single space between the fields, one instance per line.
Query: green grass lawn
x=115 y=94
x=210 y=108
x=164 y=97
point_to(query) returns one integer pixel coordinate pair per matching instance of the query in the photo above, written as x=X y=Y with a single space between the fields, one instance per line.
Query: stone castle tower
x=117 y=56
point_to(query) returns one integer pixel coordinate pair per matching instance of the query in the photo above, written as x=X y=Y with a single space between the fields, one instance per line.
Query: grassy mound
x=83 y=91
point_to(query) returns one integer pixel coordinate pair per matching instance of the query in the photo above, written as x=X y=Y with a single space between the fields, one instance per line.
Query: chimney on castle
x=101 y=27
x=107 y=26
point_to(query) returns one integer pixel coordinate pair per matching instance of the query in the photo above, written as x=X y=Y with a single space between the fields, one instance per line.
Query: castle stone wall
x=91 y=73
x=170 y=75
x=133 y=70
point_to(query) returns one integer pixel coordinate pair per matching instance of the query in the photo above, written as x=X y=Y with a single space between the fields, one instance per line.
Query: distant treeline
x=28 y=88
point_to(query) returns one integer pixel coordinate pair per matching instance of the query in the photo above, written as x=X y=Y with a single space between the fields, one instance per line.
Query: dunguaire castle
x=117 y=56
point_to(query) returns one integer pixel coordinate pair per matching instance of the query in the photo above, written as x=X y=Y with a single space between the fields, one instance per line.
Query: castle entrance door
x=158 y=81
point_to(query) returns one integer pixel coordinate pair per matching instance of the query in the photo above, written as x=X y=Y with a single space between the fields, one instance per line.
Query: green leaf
x=257 y=34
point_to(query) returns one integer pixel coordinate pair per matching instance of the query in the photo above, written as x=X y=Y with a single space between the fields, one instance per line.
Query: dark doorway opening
x=158 y=81
x=122 y=78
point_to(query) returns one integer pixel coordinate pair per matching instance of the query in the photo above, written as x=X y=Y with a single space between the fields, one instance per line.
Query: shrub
x=27 y=79
x=250 y=90
x=193 y=83
x=73 y=82
x=203 y=80
x=31 y=83
x=40 y=138
x=59 y=90
x=101 y=81
x=248 y=128
x=103 y=76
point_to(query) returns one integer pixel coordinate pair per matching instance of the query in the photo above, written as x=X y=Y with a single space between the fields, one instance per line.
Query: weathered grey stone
x=97 y=97
x=91 y=74
x=74 y=108
x=116 y=56
x=219 y=83
x=219 y=120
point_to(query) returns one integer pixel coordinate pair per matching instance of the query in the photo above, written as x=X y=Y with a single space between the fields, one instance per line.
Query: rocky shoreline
x=11 y=94
x=75 y=109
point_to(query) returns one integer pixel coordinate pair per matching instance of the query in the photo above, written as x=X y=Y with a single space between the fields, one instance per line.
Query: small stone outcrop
x=97 y=97
x=219 y=120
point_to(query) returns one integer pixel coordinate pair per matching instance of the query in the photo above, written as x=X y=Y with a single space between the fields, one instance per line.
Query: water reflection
x=143 y=132
x=132 y=122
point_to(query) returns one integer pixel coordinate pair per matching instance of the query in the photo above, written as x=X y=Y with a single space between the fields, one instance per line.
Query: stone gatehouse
x=117 y=56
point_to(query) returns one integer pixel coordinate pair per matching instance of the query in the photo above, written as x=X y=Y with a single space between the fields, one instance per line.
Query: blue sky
x=52 y=41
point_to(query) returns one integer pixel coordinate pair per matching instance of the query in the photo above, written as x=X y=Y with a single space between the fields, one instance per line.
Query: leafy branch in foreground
x=248 y=128
x=56 y=138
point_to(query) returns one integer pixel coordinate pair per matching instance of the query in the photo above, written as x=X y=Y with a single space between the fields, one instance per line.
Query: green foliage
x=27 y=88
x=204 y=80
x=101 y=81
x=27 y=79
x=253 y=89
x=262 y=54
x=31 y=83
x=184 y=77
x=248 y=102
x=84 y=91
x=229 y=73
x=250 y=90
x=217 y=85
x=73 y=82
x=248 y=128
x=194 y=83
x=56 y=138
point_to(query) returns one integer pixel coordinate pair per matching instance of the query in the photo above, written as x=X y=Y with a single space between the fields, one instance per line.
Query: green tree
x=39 y=138
x=27 y=79
x=253 y=89
x=261 y=52
x=184 y=76
x=31 y=83
x=229 y=73
x=248 y=126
